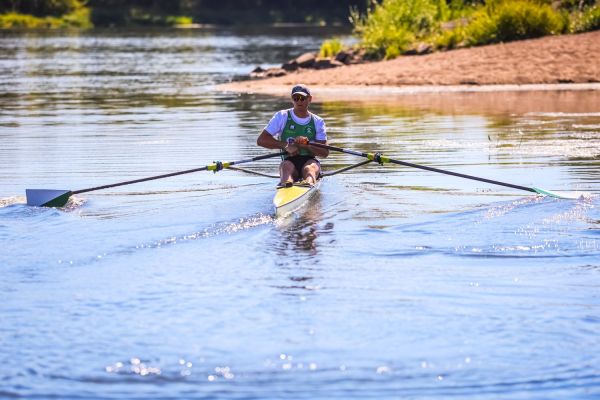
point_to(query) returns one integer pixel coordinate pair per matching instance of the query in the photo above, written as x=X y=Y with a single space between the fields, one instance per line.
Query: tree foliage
x=164 y=12
x=225 y=12
x=41 y=8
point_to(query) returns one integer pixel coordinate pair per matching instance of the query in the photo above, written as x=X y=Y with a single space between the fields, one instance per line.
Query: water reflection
x=503 y=103
x=296 y=246
x=300 y=230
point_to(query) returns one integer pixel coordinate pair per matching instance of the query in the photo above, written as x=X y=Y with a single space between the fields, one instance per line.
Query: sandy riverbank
x=567 y=62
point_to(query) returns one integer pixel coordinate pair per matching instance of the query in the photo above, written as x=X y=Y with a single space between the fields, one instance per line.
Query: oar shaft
x=372 y=156
x=475 y=178
x=150 y=178
x=212 y=167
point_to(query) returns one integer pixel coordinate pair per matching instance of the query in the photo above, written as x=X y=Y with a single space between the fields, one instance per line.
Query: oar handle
x=382 y=159
x=217 y=166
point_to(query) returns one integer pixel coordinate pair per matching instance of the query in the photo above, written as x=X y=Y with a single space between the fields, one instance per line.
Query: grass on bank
x=393 y=27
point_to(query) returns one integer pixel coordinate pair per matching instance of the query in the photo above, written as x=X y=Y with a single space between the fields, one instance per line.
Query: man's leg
x=310 y=171
x=287 y=172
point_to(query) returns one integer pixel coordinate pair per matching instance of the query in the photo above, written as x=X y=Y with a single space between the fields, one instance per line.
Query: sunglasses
x=298 y=98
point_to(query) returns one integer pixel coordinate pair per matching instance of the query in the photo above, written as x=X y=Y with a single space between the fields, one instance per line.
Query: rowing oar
x=58 y=198
x=379 y=158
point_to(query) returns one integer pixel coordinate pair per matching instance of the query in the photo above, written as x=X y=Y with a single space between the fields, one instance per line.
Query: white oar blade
x=560 y=195
x=47 y=197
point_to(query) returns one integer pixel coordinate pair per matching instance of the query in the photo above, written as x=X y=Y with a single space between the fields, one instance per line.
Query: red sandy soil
x=554 y=62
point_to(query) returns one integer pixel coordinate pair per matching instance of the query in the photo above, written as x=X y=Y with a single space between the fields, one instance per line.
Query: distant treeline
x=169 y=12
x=226 y=12
x=34 y=14
x=41 y=8
x=386 y=28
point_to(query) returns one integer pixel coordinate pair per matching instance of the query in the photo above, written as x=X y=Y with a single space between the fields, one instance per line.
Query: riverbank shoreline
x=359 y=92
x=555 y=63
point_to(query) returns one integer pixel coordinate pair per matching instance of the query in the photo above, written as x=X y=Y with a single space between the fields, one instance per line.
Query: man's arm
x=267 y=141
x=317 y=151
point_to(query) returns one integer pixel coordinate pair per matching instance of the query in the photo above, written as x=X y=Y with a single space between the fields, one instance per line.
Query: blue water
x=391 y=283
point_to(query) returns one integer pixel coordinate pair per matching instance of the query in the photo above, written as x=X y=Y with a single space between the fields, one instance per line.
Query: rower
x=289 y=131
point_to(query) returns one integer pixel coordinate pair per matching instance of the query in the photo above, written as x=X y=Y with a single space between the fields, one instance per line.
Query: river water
x=391 y=283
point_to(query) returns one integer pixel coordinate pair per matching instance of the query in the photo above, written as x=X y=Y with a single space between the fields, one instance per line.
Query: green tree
x=42 y=8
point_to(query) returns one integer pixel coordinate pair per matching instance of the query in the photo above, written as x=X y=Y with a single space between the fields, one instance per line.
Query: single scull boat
x=287 y=199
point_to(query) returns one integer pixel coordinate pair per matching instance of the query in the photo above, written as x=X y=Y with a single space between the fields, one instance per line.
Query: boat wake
x=530 y=227
x=9 y=201
x=216 y=229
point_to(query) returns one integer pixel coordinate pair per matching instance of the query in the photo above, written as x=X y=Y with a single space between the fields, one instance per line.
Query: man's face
x=301 y=102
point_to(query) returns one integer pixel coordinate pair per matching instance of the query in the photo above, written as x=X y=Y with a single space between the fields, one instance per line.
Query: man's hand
x=303 y=140
x=291 y=149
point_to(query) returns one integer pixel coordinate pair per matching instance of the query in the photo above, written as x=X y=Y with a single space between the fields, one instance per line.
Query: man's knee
x=289 y=168
x=311 y=167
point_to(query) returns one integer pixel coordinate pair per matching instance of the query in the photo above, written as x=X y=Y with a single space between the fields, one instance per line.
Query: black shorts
x=299 y=162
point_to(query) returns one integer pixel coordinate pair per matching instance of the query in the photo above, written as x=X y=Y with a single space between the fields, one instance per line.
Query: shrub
x=451 y=37
x=392 y=52
x=588 y=20
x=330 y=48
x=572 y=5
x=45 y=14
x=390 y=27
x=18 y=21
x=175 y=20
x=502 y=21
x=78 y=19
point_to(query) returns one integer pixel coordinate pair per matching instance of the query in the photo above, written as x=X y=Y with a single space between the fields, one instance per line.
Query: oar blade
x=47 y=197
x=560 y=195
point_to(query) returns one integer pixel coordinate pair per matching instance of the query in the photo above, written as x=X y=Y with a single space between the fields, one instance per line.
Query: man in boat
x=290 y=130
